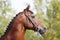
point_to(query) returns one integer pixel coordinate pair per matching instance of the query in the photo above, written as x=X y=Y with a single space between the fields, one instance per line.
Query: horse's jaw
x=39 y=35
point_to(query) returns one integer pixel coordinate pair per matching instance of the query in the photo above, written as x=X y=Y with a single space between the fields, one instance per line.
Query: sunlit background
x=20 y=5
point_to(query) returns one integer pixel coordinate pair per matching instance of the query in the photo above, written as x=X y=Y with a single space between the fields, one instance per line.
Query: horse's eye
x=33 y=16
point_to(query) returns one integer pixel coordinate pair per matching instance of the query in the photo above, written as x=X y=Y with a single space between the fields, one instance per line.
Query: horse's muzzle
x=42 y=30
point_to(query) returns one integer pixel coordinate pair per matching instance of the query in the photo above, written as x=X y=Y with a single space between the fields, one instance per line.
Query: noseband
x=34 y=26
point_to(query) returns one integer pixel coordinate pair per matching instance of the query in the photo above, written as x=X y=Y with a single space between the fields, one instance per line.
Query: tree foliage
x=5 y=16
x=52 y=19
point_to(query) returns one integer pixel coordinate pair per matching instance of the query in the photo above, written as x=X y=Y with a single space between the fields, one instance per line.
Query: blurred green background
x=48 y=13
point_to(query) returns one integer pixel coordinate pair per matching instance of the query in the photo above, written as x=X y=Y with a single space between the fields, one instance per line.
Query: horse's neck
x=16 y=33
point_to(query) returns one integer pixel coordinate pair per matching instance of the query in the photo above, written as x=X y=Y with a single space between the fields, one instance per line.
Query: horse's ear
x=27 y=8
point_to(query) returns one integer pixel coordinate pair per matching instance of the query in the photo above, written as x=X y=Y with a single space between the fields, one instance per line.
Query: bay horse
x=23 y=21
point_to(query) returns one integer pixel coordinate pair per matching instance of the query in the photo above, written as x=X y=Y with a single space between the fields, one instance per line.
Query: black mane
x=10 y=25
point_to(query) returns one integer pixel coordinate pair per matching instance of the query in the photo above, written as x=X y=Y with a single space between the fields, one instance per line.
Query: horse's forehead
x=29 y=13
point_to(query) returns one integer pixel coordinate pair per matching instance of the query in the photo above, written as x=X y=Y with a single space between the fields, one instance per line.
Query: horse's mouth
x=41 y=33
x=41 y=30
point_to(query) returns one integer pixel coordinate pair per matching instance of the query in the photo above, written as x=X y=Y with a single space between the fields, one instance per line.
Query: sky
x=20 y=5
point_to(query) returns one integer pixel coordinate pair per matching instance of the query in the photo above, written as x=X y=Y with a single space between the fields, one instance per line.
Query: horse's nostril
x=45 y=28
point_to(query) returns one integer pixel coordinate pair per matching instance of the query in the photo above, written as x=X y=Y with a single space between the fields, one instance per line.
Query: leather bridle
x=30 y=19
x=36 y=27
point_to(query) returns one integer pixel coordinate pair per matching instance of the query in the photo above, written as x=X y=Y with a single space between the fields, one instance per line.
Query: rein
x=35 y=26
x=30 y=19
